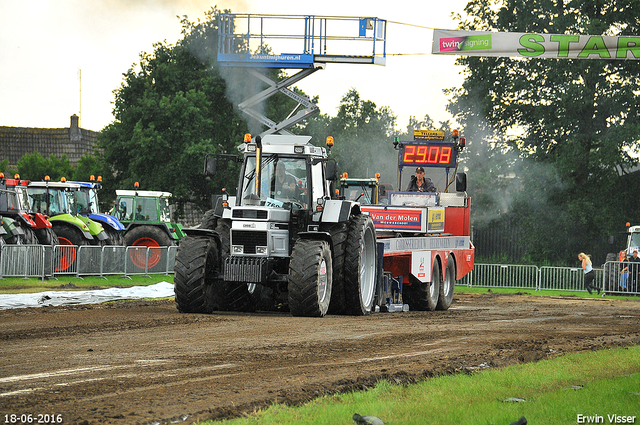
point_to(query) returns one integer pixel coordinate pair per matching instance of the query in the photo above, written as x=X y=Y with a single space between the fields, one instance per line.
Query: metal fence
x=65 y=260
x=548 y=278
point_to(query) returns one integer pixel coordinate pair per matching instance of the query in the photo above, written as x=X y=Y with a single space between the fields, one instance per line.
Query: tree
x=34 y=166
x=576 y=120
x=170 y=113
x=4 y=164
x=363 y=135
x=173 y=110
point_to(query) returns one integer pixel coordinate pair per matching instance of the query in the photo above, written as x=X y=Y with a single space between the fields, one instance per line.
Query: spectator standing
x=589 y=274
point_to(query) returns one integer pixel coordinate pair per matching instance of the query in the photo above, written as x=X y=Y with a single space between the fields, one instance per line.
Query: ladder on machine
x=249 y=41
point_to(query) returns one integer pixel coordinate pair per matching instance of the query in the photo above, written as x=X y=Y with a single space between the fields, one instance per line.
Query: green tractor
x=367 y=191
x=56 y=200
x=146 y=217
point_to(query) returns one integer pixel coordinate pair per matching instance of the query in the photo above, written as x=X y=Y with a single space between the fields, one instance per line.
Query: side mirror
x=210 y=166
x=461 y=182
x=331 y=171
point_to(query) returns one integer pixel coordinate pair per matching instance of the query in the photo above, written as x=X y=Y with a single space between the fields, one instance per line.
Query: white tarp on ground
x=56 y=298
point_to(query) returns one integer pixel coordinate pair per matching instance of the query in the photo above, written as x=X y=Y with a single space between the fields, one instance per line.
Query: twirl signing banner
x=533 y=45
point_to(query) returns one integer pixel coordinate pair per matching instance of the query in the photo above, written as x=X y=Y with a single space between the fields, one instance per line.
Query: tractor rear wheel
x=209 y=220
x=29 y=237
x=310 y=278
x=115 y=237
x=46 y=236
x=339 y=233
x=150 y=237
x=197 y=263
x=424 y=296
x=447 y=286
x=360 y=265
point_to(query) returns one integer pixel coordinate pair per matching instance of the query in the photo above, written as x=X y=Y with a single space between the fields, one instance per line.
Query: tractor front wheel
x=310 y=278
x=70 y=239
x=197 y=263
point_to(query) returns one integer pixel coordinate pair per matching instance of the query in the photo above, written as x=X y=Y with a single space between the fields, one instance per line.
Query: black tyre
x=447 y=287
x=209 y=220
x=232 y=296
x=310 y=278
x=46 y=236
x=339 y=233
x=197 y=263
x=29 y=237
x=69 y=239
x=115 y=237
x=360 y=265
x=223 y=229
x=424 y=296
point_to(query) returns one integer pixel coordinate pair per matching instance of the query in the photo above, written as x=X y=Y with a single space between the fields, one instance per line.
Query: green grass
x=544 y=292
x=15 y=285
x=552 y=391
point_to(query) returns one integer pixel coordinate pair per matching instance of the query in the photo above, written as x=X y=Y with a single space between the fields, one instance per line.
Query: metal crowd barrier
x=616 y=281
x=547 y=278
x=67 y=260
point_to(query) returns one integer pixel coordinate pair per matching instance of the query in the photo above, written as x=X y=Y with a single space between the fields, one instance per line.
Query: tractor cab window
x=145 y=209
x=83 y=202
x=360 y=192
x=72 y=205
x=634 y=241
x=22 y=198
x=47 y=201
x=282 y=183
x=124 y=208
x=12 y=201
x=93 y=199
x=164 y=210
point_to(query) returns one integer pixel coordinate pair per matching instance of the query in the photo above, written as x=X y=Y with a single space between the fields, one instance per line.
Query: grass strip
x=592 y=387
x=17 y=285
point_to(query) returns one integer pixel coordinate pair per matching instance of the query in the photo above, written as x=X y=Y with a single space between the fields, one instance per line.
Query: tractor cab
x=57 y=201
x=146 y=216
x=368 y=191
x=86 y=198
x=21 y=224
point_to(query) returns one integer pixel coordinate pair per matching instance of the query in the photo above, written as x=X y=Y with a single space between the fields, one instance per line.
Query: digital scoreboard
x=428 y=149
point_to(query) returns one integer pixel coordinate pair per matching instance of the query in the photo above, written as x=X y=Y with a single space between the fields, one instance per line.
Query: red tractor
x=21 y=224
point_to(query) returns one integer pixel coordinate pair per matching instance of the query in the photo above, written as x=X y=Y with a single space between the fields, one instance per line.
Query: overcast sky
x=44 y=44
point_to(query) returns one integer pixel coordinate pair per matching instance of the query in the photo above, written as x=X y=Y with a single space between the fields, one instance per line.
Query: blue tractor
x=87 y=202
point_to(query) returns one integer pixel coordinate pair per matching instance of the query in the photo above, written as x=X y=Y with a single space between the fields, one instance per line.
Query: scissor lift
x=250 y=41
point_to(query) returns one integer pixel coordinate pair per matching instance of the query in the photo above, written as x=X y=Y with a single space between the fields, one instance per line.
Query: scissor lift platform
x=307 y=43
x=303 y=41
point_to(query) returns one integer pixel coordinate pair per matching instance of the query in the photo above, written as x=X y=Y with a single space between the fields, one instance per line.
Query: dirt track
x=144 y=363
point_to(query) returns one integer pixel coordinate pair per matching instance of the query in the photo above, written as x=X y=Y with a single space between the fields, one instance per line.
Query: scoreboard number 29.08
x=429 y=155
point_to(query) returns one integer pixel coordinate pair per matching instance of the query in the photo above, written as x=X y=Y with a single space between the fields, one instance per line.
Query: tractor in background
x=364 y=190
x=57 y=201
x=20 y=224
x=88 y=206
x=146 y=216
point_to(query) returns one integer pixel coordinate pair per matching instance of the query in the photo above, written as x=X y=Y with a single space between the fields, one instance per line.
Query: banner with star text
x=535 y=45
